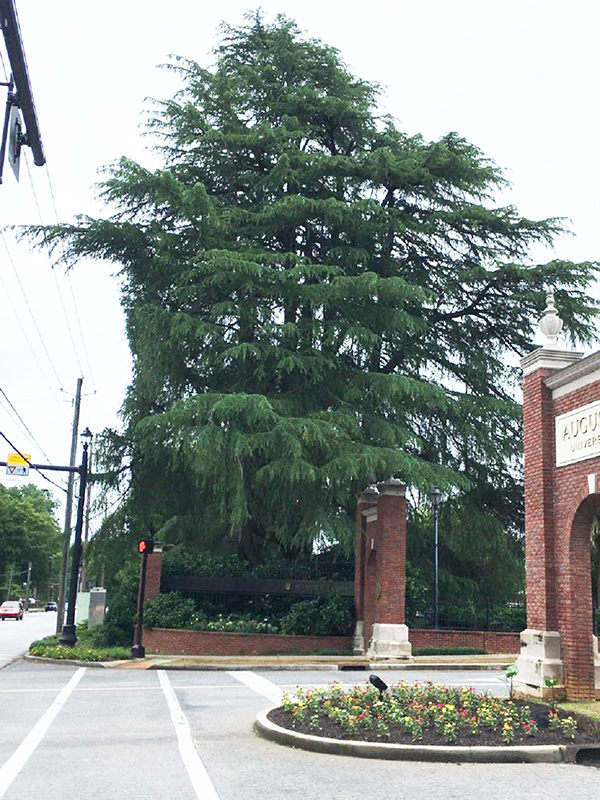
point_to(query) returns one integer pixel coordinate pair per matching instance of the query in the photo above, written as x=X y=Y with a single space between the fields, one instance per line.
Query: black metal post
x=436 y=496
x=138 y=650
x=436 y=570
x=68 y=636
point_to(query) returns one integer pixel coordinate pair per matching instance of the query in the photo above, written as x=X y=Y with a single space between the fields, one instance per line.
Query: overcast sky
x=518 y=78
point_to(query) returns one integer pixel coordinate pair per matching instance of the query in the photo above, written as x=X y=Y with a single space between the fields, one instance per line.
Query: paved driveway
x=70 y=733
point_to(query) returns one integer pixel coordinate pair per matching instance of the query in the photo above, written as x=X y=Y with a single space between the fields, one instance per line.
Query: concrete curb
x=207 y=663
x=518 y=754
x=69 y=661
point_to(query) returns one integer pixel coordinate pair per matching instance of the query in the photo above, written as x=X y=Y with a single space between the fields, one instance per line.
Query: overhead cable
x=38 y=445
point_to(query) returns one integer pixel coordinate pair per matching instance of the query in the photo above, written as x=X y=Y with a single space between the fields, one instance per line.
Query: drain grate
x=588 y=756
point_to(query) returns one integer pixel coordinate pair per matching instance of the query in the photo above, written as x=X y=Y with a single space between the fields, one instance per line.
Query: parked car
x=11 y=609
x=51 y=606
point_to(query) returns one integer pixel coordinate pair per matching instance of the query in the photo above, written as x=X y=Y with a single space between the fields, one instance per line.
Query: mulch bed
x=588 y=731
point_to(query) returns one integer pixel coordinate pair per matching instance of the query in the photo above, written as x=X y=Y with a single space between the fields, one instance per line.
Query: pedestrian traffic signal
x=145 y=546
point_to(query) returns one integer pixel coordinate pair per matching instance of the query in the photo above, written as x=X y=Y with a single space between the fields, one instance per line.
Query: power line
x=12 y=263
x=25 y=426
x=75 y=306
x=60 y=297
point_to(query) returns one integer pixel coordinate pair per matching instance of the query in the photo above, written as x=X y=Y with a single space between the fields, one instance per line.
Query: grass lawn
x=589 y=708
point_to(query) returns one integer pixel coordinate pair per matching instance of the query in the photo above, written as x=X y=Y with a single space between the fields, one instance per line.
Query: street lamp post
x=436 y=496
x=68 y=636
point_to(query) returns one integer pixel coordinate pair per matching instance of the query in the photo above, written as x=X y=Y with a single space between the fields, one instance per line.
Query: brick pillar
x=391 y=513
x=538 y=445
x=385 y=591
x=540 y=659
x=153 y=575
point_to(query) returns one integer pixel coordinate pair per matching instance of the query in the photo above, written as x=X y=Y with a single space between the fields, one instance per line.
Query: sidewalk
x=300 y=662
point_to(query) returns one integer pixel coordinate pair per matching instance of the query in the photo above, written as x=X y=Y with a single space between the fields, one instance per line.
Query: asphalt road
x=15 y=637
x=70 y=733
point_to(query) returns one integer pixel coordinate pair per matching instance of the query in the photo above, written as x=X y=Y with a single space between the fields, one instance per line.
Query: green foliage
x=323 y=616
x=89 y=647
x=118 y=626
x=314 y=301
x=481 y=563
x=170 y=610
x=204 y=564
x=29 y=532
x=79 y=652
x=239 y=623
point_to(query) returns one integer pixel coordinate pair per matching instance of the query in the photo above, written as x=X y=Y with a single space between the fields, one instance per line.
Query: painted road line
x=17 y=761
x=258 y=684
x=201 y=782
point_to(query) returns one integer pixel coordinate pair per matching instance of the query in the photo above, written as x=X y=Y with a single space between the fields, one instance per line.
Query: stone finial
x=551 y=324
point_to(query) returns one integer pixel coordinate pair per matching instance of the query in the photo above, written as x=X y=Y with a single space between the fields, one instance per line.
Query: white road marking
x=201 y=782
x=17 y=761
x=260 y=685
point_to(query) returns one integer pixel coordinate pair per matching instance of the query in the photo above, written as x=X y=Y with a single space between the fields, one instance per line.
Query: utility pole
x=28 y=589
x=68 y=510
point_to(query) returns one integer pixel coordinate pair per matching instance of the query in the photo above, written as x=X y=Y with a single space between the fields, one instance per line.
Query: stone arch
x=575 y=603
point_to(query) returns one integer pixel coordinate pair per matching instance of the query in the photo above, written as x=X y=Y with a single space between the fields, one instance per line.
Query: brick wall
x=208 y=643
x=490 y=641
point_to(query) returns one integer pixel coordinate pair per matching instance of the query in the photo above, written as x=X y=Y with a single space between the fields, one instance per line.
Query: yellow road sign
x=15 y=459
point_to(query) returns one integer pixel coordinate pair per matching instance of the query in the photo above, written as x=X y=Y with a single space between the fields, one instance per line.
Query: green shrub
x=239 y=623
x=80 y=652
x=324 y=616
x=209 y=565
x=171 y=610
x=119 y=622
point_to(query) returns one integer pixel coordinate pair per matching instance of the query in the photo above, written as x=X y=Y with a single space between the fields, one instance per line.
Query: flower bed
x=430 y=714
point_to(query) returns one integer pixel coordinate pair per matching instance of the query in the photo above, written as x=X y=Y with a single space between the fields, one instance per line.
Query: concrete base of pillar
x=596 y=667
x=358 y=643
x=389 y=642
x=539 y=661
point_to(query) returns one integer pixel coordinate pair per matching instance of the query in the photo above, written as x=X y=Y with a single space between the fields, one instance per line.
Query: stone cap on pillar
x=392 y=486
x=369 y=496
x=548 y=359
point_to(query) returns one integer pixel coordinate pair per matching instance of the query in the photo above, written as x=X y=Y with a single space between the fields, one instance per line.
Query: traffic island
x=513 y=754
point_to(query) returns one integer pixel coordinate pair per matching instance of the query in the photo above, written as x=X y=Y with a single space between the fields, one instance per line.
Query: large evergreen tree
x=314 y=299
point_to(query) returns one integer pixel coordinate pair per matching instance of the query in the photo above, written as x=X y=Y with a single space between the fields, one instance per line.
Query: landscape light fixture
x=68 y=636
x=436 y=496
x=380 y=685
x=20 y=95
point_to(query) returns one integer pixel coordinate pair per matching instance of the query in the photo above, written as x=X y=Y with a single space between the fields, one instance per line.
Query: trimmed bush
x=323 y=616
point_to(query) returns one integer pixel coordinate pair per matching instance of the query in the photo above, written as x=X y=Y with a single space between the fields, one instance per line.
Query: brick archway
x=561 y=432
x=575 y=607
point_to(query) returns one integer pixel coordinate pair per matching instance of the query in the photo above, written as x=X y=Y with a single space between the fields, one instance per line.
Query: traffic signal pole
x=138 y=650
